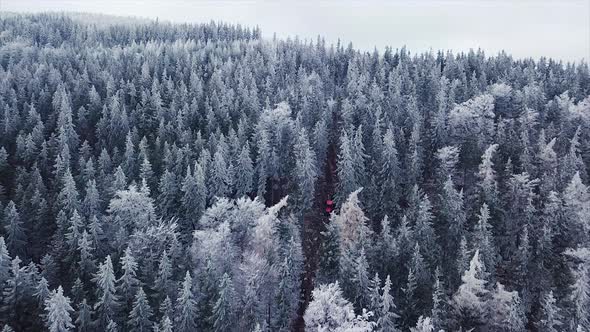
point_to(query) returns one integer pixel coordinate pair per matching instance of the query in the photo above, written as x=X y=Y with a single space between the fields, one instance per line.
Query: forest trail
x=314 y=222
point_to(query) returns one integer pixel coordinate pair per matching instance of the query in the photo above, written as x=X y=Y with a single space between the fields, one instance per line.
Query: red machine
x=329 y=206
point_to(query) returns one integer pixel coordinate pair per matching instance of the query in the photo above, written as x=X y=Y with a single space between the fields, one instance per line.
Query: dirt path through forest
x=314 y=222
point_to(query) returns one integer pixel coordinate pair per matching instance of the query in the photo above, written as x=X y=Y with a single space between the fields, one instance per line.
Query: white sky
x=558 y=29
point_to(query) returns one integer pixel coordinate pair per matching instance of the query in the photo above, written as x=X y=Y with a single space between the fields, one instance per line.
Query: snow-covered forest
x=175 y=177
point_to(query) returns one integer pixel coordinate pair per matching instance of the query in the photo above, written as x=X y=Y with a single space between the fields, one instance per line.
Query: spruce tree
x=551 y=318
x=186 y=307
x=128 y=284
x=58 y=310
x=106 y=306
x=469 y=302
x=387 y=316
x=305 y=169
x=84 y=317
x=224 y=309
x=244 y=172
x=16 y=237
x=141 y=314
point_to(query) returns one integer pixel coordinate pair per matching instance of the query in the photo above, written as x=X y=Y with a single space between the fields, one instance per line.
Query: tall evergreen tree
x=141 y=314
x=186 y=307
x=106 y=306
x=16 y=236
x=58 y=312
x=224 y=310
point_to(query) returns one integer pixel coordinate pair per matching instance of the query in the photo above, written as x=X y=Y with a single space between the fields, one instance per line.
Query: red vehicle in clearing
x=329 y=207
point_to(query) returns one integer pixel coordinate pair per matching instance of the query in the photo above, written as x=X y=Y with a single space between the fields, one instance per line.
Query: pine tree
x=58 y=310
x=194 y=197
x=329 y=310
x=469 y=302
x=551 y=318
x=244 y=172
x=129 y=158
x=483 y=238
x=361 y=280
x=424 y=231
x=220 y=180
x=487 y=175
x=141 y=314
x=84 y=317
x=91 y=206
x=439 y=303
x=78 y=292
x=387 y=316
x=305 y=172
x=263 y=163
x=389 y=177
x=128 y=284
x=68 y=197
x=87 y=262
x=96 y=235
x=120 y=181
x=409 y=291
x=346 y=169
x=166 y=309
x=106 y=305
x=454 y=218
x=580 y=296
x=424 y=324
x=290 y=270
x=186 y=307
x=112 y=326
x=5 y=260
x=16 y=292
x=74 y=232
x=163 y=282
x=146 y=172
x=16 y=236
x=448 y=158
x=42 y=292
x=374 y=295
x=169 y=192
x=224 y=310
x=576 y=198
x=166 y=325
x=505 y=310
x=388 y=246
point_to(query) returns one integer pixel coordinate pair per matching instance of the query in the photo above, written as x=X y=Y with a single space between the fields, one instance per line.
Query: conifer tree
x=16 y=236
x=163 y=281
x=106 y=305
x=84 y=317
x=141 y=314
x=483 y=239
x=58 y=310
x=186 y=307
x=305 y=169
x=551 y=318
x=469 y=302
x=244 y=172
x=42 y=292
x=169 y=194
x=220 y=180
x=128 y=284
x=387 y=316
x=223 y=310
x=68 y=197
x=87 y=263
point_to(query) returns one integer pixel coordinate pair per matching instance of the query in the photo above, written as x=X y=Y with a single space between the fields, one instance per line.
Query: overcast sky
x=558 y=29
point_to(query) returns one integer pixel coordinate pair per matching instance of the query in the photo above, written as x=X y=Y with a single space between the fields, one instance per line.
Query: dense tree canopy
x=174 y=177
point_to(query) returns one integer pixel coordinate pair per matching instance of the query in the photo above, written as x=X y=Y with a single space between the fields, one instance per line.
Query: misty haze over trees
x=159 y=177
